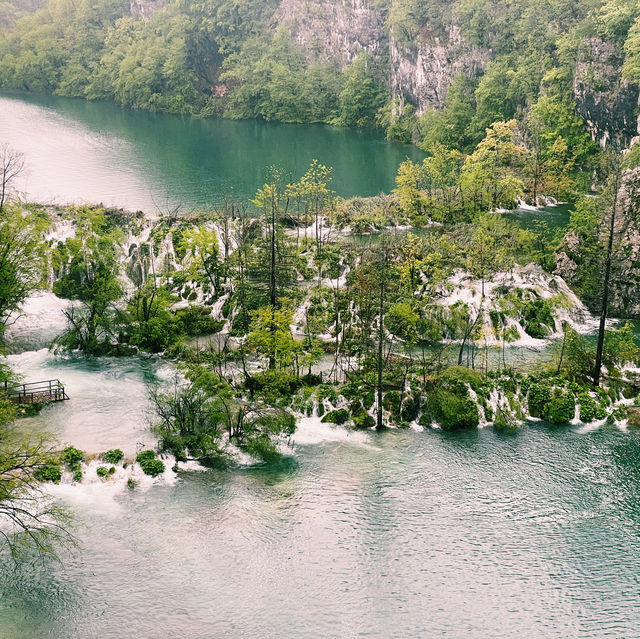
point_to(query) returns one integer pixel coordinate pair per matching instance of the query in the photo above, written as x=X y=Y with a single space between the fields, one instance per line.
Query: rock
x=633 y=415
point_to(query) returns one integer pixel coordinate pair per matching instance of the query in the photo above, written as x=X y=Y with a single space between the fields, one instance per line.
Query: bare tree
x=11 y=167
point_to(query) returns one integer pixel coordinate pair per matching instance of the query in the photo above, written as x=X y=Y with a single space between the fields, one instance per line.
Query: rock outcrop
x=422 y=75
x=607 y=104
x=624 y=298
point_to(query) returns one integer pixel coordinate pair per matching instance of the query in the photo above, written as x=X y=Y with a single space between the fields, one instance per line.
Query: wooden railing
x=51 y=390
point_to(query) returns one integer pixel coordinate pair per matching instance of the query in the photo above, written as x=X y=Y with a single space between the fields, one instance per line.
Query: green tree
x=91 y=276
x=22 y=260
x=363 y=95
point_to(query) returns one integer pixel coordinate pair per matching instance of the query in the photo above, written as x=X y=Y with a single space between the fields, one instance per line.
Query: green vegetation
x=148 y=462
x=113 y=456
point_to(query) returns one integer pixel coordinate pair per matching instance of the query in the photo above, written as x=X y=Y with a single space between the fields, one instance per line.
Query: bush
x=149 y=464
x=113 y=456
x=364 y=420
x=49 y=471
x=457 y=377
x=77 y=476
x=452 y=412
x=504 y=422
x=391 y=402
x=339 y=416
x=261 y=447
x=102 y=471
x=587 y=407
x=539 y=396
x=561 y=409
x=410 y=408
x=72 y=456
x=197 y=320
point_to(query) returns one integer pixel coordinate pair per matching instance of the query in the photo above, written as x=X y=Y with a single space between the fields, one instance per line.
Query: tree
x=363 y=96
x=22 y=260
x=616 y=181
x=11 y=167
x=490 y=174
x=91 y=276
x=29 y=519
x=409 y=189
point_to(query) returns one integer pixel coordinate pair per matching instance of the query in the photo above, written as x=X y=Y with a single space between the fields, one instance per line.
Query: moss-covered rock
x=561 y=409
x=339 y=416
x=451 y=411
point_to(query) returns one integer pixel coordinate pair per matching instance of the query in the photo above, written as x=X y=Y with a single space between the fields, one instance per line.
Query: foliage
x=90 y=275
x=148 y=462
x=560 y=409
x=587 y=407
x=539 y=397
x=113 y=456
x=451 y=411
x=22 y=259
x=339 y=416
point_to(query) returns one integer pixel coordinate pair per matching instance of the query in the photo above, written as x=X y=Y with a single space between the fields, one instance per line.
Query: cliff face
x=333 y=31
x=624 y=297
x=423 y=75
x=607 y=104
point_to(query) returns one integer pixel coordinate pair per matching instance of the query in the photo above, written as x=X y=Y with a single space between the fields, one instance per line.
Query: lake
x=79 y=151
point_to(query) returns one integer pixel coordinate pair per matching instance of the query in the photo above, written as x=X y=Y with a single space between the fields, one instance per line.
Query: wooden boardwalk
x=51 y=390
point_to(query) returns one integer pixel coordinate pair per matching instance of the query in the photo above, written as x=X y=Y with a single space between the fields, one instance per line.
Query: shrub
x=339 y=416
x=391 y=402
x=457 y=377
x=49 y=471
x=452 y=412
x=113 y=456
x=261 y=447
x=504 y=422
x=364 y=420
x=72 y=456
x=153 y=467
x=561 y=409
x=539 y=396
x=410 y=408
x=77 y=476
x=587 y=407
x=149 y=464
x=102 y=471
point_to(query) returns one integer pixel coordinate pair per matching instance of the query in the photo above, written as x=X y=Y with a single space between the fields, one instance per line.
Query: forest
x=247 y=59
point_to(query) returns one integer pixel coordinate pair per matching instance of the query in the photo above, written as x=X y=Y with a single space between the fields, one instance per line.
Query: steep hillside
x=427 y=72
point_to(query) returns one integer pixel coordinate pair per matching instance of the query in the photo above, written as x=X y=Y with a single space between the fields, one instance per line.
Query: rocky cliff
x=573 y=261
x=607 y=104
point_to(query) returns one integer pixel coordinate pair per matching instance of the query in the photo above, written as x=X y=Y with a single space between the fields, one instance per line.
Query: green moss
x=113 y=456
x=452 y=412
x=339 y=416
x=561 y=409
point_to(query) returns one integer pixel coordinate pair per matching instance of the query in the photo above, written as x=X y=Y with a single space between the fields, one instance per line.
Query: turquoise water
x=98 y=152
x=400 y=534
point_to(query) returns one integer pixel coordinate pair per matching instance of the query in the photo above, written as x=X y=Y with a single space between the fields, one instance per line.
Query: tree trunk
x=605 y=286
x=379 y=424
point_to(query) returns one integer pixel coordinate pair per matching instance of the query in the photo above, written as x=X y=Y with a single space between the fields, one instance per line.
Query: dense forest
x=429 y=72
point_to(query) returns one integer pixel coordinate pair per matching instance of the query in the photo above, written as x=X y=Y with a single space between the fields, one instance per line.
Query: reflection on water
x=98 y=152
